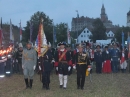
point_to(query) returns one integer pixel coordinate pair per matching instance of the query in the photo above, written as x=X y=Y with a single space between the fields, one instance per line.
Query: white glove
x=40 y=68
x=104 y=61
x=74 y=67
x=34 y=67
x=102 y=64
x=123 y=54
x=111 y=60
x=23 y=66
x=69 y=68
x=16 y=60
x=53 y=61
x=46 y=56
x=107 y=52
x=89 y=69
x=118 y=59
x=57 y=68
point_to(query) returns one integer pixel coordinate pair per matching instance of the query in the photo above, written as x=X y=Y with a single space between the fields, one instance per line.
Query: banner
x=54 y=34
x=68 y=36
x=20 y=31
x=41 y=42
x=11 y=33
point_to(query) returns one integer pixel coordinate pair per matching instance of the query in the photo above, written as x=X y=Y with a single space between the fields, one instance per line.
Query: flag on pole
x=54 y=34
x=128 y=44
x=41 y=42
x=11 y=33
x=1 y=34
x=20 y=31
x=122 y=40
x=31 y=30
x=68 y=35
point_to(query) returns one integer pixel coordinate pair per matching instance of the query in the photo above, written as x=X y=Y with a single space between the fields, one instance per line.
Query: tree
x=35 y=20
x=118 y=34
x=61 y=32
x=98 y=31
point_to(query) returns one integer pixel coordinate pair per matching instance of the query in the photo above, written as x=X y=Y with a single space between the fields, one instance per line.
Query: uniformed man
x=82 y=61
x=62 y=65
x=45 y=65
x=3 y=60
x=98 y=58
x=115 y=58
x=19 y=58
x=29 y=59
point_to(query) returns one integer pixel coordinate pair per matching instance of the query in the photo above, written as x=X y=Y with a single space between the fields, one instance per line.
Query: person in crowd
x=106 y=61
x=45 y=65
x=29 y=60
x=98 y=58
x=115 y=58
x=82 y=61
x=62 y=64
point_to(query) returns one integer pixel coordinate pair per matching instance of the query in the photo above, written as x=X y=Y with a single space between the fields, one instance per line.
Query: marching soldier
x=29 y=59
x=19 y=58
x=45 y=66
x=82 y=60
x=62 y=64
x=115 y=58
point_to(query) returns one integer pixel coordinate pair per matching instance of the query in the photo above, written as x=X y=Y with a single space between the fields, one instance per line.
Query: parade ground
x=102 y=85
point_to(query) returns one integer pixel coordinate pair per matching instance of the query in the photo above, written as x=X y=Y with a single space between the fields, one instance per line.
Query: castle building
x=79 y=23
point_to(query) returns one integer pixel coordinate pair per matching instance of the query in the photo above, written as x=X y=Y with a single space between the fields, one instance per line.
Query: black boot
x=122 y=70
x=26 y=82
x=31 y=82
x=44 y=86
x=47 y=86
x=78 y=87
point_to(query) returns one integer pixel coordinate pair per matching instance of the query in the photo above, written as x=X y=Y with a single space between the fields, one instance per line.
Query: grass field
x=102 y=85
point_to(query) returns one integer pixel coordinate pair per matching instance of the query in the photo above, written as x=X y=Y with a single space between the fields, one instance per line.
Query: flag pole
x=53 y=34
x=122 y=40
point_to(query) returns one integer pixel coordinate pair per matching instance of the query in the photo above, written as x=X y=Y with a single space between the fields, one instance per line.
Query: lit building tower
x=128 y=19
x=103 y=14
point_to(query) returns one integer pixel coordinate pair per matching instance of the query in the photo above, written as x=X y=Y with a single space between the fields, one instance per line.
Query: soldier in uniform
x=45 y=65
x=82 y=60
x=62 y=64
x=29 y=59
x=115 y=58
x=19 y=58
x=98 y=58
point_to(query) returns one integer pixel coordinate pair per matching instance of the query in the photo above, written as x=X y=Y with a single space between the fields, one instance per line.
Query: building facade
x=84 y=36
x=79 y=23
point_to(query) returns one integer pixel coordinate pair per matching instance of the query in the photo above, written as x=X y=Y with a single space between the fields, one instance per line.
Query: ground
x=102 y=85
